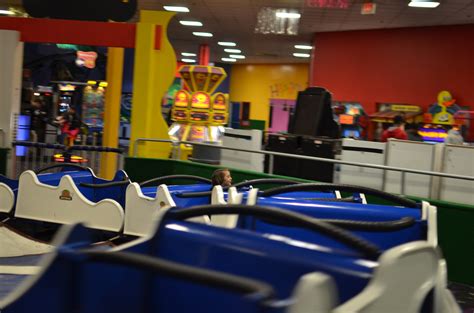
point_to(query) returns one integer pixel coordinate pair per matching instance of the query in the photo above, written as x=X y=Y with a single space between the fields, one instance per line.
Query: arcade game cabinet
x=352 y=119
x=197 y=113
x=440 y=118
x=385 y=114
x=313 y=132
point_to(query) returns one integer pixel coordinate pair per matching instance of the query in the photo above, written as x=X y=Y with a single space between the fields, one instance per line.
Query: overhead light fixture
x=423 y=4
x=232 y=51
x=188 y=60
x=175 y=8
x=228 y=59
x=303 y=47
x=301 y=55
x=6 y=12
x=227 y=43
x=237 y=56
x=190 y=23
x=287 y=15
x=278 y=21
x=202 y=34
x=188 y=54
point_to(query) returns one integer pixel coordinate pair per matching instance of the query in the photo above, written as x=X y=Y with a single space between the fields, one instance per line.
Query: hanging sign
x=86 y=59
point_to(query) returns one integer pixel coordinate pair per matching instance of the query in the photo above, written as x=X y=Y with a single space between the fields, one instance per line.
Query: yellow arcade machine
x=198 y=114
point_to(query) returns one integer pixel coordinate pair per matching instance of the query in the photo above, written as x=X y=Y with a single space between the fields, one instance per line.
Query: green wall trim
x=455 y=221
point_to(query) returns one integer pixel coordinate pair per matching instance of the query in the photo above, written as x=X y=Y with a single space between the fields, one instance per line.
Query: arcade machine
x=93 y=100
x=439 y=118
x=65 y=97
x=385 y=114
x=198 y=115
x=93 y=104
x=351 y=118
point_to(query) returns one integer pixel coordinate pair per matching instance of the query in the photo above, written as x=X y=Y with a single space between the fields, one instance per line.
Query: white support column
x=11 y=63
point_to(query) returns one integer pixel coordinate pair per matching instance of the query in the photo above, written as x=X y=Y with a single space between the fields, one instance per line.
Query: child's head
x=221 y=177
x=398 y=120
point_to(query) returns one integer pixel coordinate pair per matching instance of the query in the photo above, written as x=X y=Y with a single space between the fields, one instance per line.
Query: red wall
x=407 y=65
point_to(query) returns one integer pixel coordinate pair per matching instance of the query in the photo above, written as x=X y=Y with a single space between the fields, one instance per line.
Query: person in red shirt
x=396 y=131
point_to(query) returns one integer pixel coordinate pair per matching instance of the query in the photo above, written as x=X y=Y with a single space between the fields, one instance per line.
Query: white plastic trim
x=400 y=283
x=316 y=293
x=233 y=196
x=432 y=236
x=65 y=204
x=217 y=195
x=139 y=209
x=7 y=198
x=444 y=299
x=252 y=196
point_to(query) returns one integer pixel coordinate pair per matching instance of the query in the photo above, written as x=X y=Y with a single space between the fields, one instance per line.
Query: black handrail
x=233 y=283
x=170 y=177
x=282 y=216
x=62 y=165
x=347 y=188
x=369 y=226
x=261 y=181
x=252 y=182
x=125 y=181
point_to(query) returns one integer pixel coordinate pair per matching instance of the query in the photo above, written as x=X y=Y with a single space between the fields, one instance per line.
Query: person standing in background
x=396 y=131
x=454 y=137
x=412 y=132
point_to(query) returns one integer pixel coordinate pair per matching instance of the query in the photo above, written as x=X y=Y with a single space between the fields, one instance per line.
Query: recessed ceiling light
x=303 y=47
x=287 y=15
x=237 y=56
x=202 y=34
x=301 y=55
x=175 y=8
x=423 y=4
x=6 y=12
x=227 y=43
x=232 y=50
x=228 y=60
x=188 y=54
x=188 y=60
x=190 y=23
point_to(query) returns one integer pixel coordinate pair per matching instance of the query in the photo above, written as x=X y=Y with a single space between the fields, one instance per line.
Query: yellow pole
x=108 y=162
x=153 y=73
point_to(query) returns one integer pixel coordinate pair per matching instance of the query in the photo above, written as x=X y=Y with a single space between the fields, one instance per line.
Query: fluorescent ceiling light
x=228 y=60
x=202 y=34
x=301 y=55
x=188 y=54
x=232 y=50
x=175 y=8
x=287 y=15
x=6 y=12
x=227 y=43
x=236 y=56
x=190 y=23
x=188 y=60
x=303 y=47
x=423 y=4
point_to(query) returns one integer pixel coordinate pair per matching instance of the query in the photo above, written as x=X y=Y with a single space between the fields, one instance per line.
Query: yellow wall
x=260 y=82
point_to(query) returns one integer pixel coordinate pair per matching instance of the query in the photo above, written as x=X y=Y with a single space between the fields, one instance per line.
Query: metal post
x=270 y=164
x=403 y=183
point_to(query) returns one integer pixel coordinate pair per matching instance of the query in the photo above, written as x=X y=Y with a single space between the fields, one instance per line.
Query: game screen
x=200 y=100
x=433 y=133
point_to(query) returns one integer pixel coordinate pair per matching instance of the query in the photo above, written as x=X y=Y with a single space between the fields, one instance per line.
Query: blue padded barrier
x=80 y=281
x=341 y=211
